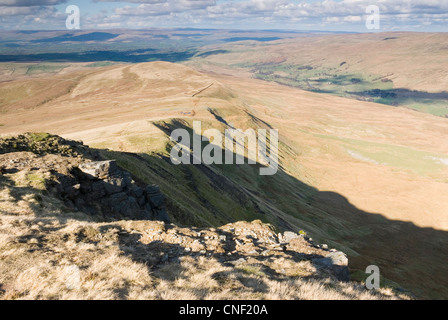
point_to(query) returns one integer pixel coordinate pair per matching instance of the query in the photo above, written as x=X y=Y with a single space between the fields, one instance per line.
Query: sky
x=324 y=15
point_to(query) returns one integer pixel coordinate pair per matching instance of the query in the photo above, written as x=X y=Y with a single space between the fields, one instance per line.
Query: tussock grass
x=47 y=258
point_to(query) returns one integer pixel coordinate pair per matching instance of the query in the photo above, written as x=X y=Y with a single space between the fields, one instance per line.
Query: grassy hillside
x=397 y=69
x=50 y=249
x=364 y=178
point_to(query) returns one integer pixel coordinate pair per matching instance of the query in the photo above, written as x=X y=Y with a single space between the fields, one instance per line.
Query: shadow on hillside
x=413 y=256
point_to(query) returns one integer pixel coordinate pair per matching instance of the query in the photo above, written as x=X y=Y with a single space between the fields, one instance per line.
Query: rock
x=280 y=238
x=99 y=169
x=156 y=201
x=72 y=192
x=336 y=263
x=338 y=258
x=164 y=258
x=101 y=187
x=113 y=185
x=160 y=214
x=97 y=190
x=141 y=201
x=239 y=261
x=154 y=195
x=289 y=235
x=136 y=191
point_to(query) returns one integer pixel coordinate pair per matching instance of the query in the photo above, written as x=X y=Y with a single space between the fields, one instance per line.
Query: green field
x=365 y=87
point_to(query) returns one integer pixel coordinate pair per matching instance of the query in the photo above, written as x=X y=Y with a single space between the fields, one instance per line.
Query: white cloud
x=245 y=13
x=30 y=3
x=286 y=8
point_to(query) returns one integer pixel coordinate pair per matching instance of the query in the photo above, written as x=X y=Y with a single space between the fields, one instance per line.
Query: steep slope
x=364 y=178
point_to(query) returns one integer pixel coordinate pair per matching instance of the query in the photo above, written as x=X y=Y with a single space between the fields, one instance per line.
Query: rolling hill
x=395 y=68
x=366 y=178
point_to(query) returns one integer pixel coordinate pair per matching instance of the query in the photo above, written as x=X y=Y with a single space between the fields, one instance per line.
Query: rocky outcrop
x=243 y=244
x=101 y=187
x=45 y=143
x=78 y=176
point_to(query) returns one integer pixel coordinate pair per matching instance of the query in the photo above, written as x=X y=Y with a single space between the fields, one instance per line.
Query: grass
x=318 y=79
x=437 y=108
x=420 y=162
x=44 y=68
x=98 y=268
x=39 y=136
x=192 y=191
x=251 y=270
x=211 y=196
x=37 y=181
x=331 y=79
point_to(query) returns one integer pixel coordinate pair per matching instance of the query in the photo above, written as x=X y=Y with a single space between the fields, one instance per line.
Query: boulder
x=99 y=169
x=289 y=235
x=336 y=263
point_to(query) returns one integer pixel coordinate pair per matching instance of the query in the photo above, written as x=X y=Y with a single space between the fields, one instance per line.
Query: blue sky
x=330 y=15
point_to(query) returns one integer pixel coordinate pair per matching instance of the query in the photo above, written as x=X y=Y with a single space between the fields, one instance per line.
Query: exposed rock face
x=71 y=171
x=101 y=187
x=99 y=169
x=44 y=143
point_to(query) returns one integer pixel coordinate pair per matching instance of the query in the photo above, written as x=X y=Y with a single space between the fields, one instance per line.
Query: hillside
x=364 y=178
x=394 y=68
x=63 y=237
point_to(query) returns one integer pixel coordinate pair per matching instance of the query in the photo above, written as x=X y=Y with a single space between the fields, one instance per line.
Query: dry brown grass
x=50 y=252
x=316 y=131
x=57 y=257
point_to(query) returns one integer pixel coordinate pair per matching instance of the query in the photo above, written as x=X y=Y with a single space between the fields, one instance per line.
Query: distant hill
x=397 y=68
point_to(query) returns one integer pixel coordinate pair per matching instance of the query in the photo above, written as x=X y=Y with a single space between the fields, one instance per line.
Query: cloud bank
x=287 y=14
